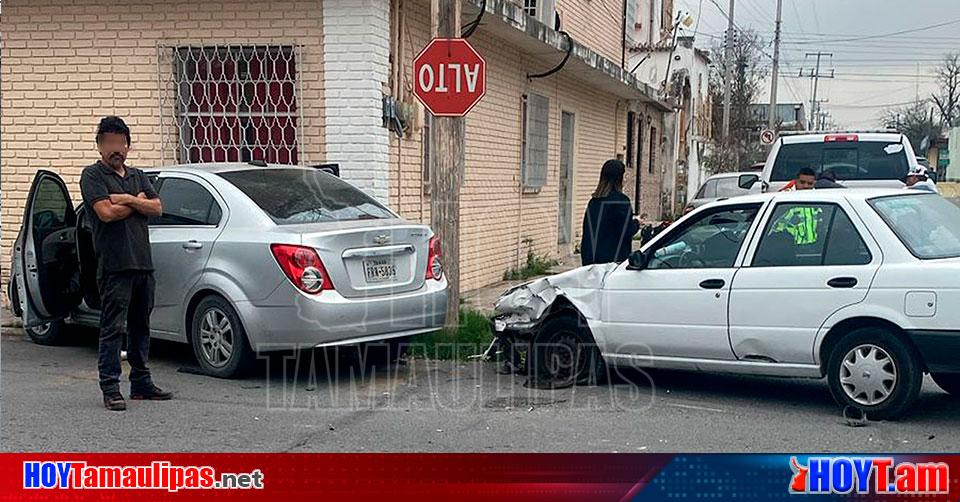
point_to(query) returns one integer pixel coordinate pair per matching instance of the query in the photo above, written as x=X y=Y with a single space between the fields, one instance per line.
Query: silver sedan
x=247 y=259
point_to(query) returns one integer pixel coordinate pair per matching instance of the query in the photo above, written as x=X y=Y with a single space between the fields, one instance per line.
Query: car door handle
x=842 y=282
x=192 y=245
x=712 y=284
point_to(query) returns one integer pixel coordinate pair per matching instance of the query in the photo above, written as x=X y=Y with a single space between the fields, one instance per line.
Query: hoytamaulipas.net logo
x=158 y=475
x=875 y=475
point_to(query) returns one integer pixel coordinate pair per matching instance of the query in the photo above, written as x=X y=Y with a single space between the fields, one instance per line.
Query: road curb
x=7 y=319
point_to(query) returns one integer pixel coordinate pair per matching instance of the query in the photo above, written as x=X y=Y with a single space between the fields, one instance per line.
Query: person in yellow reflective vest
x=801 y=223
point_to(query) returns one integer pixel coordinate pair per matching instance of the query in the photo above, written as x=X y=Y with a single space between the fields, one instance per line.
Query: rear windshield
x=729 y=187
x=721 y=187
x=291 y=196
x=854 y=160
x=928 y=225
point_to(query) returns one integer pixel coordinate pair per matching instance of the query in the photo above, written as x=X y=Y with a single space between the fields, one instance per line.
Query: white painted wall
x=356 y=52
x=652 y=73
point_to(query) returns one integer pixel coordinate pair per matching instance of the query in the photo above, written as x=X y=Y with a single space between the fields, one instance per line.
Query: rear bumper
x=289 y=318
x=940 y=349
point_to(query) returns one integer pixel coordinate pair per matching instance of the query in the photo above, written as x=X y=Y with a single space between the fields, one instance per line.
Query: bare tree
x=915 y=120
x=947 y=97
x=749 y=73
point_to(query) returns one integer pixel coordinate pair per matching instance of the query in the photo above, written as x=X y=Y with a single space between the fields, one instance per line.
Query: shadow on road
x=320 y=368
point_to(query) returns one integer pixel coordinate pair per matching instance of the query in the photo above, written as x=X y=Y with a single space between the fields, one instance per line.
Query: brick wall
x=597 y=24
x=495 y=216
x=649 y=181
x=67 y=63
x=357 y=67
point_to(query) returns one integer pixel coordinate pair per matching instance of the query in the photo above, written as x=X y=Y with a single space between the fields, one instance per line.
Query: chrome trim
x=381 y=251
x=716 y=365
x=376 y=338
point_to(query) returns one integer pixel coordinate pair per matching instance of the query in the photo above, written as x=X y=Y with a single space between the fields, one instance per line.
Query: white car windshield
x=928 y=225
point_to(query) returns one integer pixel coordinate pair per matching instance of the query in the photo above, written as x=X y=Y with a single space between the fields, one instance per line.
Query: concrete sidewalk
x=7 y=319
x=482 y=299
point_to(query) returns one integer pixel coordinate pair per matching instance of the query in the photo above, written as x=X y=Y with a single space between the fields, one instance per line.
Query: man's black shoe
x=152 y=393
x=113 y=401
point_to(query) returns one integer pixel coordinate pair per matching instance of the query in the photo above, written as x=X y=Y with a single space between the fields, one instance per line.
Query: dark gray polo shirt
x=124 y=244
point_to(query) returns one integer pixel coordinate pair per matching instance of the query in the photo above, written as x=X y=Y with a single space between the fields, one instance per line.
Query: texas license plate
x=379 y=270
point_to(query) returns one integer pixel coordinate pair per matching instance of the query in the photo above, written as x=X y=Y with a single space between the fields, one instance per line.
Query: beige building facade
x=306 y=82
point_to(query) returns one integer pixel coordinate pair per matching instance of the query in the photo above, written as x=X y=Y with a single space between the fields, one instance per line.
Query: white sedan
x=860 y=286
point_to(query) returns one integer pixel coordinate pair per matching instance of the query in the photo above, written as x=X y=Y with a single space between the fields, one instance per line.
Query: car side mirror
x=746 y=181
x=636 y=261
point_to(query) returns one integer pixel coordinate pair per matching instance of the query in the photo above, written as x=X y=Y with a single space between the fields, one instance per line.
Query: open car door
x=45 y=264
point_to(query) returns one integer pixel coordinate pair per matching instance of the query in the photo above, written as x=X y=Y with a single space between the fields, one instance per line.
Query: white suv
x=857 y=159
x=860 y=286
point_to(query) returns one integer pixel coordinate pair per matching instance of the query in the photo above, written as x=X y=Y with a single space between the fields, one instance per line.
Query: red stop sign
x=449 y=77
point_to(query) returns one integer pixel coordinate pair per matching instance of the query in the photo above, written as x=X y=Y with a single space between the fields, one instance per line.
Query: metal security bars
x=230 y=103
x=535 y=146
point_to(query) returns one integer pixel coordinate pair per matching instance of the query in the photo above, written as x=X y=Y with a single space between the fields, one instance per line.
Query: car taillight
x=839 y=138
x=434 y=266
x=303 y=267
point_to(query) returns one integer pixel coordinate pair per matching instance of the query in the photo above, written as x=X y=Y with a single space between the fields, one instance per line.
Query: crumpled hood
x=527 y=302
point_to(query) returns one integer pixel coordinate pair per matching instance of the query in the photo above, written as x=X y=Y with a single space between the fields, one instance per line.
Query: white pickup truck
x=867 y=159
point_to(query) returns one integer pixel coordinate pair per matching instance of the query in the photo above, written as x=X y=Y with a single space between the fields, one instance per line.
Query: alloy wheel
x=216 y=337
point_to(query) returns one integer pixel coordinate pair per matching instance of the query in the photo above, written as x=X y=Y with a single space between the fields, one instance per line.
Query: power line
x=878 y=105
x=885 y=35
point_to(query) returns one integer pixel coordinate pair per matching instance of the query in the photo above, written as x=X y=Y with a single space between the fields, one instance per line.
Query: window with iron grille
x=653 y=149
x=530 y=7
x=535 y=140
x=237 y=103
x=541 y=10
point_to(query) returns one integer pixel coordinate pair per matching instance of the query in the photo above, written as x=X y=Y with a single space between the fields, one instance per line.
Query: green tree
x=749 y=73
x=916 y=121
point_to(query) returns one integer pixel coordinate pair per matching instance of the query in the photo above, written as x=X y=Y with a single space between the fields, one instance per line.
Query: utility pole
x=772 y=112
x=815 y=75
x=728 y=76
x=446 y=173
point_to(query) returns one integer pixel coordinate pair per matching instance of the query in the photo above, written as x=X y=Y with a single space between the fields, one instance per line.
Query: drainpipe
x=623 y=37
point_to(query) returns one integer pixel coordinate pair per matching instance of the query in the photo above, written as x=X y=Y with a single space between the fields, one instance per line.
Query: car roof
x=730 y=175
x=221 y=167
x=889 y=137
x=822 y=195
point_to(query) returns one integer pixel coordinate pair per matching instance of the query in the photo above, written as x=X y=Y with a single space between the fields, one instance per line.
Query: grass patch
x=535 y=266
x=473 y=336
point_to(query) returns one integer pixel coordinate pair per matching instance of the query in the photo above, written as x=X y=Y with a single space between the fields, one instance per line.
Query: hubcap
x=41 y=329
x=868 y=375
x=216 y=337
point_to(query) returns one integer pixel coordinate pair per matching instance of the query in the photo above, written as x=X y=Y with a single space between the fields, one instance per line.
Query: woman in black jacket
x=608 y=225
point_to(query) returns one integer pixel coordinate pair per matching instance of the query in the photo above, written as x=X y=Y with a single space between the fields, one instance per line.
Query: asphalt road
x=49 y=401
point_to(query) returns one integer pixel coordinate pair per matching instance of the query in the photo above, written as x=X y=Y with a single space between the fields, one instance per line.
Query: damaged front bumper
x=521 y=309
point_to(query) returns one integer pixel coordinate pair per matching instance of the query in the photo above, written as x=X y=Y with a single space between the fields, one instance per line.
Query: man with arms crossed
x=119 y=200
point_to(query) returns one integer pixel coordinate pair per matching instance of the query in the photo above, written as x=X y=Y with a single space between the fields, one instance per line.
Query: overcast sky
x=869 y=73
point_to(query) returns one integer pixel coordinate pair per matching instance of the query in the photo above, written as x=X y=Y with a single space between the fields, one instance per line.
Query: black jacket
x=608 y=229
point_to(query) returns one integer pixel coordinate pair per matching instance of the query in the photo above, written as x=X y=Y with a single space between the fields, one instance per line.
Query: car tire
x=50 y=333
x=949 y=382
x=874 y=371
x=219 y=341
x=564 y=353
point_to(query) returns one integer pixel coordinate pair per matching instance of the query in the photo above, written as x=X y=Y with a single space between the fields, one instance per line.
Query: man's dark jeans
x=125 y=297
